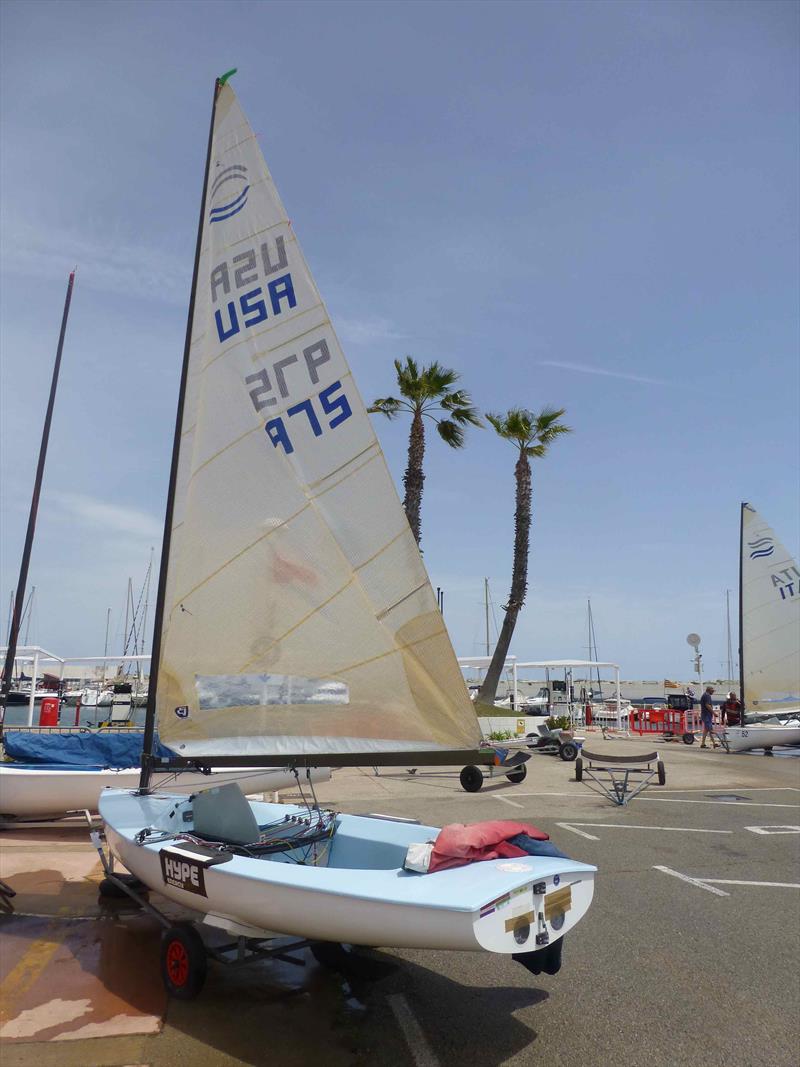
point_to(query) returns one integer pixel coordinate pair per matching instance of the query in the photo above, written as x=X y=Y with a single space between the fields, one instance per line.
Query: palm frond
x=451 y=433
x=385 y=405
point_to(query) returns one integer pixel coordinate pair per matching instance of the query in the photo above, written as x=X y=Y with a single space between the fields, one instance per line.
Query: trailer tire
x=517 y=775
x=109 y=890
x=471 y=778
x=688 y=738
x=662 y=773
x=578 y=769
x=183 y=961
x=329 y=954
x=568 y=751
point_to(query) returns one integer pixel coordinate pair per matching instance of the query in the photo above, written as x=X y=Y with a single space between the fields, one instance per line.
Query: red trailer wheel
x=183 y=961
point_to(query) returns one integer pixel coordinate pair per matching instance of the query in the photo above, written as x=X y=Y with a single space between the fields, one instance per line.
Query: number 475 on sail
x=331 y=404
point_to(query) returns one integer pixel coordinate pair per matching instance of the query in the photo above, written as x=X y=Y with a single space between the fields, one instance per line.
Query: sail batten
x=770 y=617
x=299 y=617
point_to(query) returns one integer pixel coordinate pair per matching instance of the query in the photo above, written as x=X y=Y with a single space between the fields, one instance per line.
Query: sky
x=587 y=205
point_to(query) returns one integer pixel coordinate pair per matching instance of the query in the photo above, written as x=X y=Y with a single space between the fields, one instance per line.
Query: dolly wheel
x=517 y=775
x=568 y=751
x=471 y=778
x=578 y=769
x=183 y=961
x=688 y=739
x=109 y=890
x=662 y=773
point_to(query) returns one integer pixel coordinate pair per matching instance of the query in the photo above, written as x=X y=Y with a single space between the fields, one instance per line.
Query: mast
x=158 y=620
x=741 y=638
x=10 y=616
x=105 y=649
x=728 y=620
x=128 y=601
x=27 y=614
x=37 y=488
x=486 y=606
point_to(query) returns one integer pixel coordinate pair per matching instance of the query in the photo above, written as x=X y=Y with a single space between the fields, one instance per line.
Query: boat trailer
x=184 y=952
x=620 y=778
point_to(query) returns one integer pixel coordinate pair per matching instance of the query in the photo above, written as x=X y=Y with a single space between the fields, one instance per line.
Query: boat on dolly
x=769 y=636
x=296 y=627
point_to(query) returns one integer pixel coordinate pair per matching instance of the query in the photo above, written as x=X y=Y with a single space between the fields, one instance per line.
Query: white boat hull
x=34 y=793
x=742 y=738
x=362 y=896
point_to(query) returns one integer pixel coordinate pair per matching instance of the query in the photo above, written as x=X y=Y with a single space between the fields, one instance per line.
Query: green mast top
x=228 y=74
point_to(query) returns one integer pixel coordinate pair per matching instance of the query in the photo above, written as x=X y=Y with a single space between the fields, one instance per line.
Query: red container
x=48 y=712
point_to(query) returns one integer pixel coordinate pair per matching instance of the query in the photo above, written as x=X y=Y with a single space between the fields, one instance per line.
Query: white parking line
x=692 y=881
x=580 y=833
x=710 y=883
x=630 y=826
x=725 y=803
x=506 y=800
x=419 y=1048
x=769 y=831
x=736 y=881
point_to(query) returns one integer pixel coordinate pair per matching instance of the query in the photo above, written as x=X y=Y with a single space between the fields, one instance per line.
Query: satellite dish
x=693 y=640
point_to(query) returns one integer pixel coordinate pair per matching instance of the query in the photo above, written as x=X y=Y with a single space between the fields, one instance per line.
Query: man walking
x=707 y=717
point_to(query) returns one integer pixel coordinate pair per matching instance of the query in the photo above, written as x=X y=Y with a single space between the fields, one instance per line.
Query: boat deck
x=651 y=972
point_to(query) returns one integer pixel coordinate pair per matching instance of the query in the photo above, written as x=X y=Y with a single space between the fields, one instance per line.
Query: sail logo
x=182 y=873
x=787 y=582
x=227 y=190
x=182 y=711
x=764 y=546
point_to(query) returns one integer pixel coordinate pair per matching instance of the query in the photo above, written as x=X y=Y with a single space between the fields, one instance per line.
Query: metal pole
x=730 y=647
x=37 y=488
x=30 y=615
x=32 y=700
x=741 y=625
x=150 y=721
x=486 y=607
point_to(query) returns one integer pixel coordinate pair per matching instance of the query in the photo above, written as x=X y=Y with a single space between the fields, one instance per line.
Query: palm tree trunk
x=519 y=580
x=414 y=478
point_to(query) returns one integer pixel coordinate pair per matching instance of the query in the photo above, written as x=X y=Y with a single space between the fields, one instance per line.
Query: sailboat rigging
x=283 y=532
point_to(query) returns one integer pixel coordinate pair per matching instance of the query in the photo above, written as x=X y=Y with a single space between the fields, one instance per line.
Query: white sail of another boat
x=770 y=636
x=298 y=616
x=770 y=617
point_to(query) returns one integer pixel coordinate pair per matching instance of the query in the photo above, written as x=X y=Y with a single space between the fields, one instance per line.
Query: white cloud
x=109 y=518
x=366 y=331
x=583 y=368
x=108 y=262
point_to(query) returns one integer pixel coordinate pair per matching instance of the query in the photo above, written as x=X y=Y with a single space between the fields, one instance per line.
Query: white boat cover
x=298 y=617
x=770 y=618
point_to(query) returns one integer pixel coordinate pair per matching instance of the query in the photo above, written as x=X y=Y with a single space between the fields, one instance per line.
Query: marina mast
x=16 y=617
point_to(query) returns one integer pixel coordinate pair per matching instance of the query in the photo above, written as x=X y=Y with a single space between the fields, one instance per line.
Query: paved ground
x=675 y=962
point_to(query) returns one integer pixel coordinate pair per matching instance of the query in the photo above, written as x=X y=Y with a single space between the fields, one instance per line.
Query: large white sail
x=298 y=615
x=770 y=617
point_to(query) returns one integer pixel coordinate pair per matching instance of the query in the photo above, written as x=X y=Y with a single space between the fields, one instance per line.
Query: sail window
x=266 y=690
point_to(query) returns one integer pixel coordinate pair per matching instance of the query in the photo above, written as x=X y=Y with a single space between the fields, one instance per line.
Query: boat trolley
x=185 y=953
x=620 y=778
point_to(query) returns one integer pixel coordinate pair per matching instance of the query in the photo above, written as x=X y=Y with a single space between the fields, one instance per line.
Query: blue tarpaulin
x=89 y=749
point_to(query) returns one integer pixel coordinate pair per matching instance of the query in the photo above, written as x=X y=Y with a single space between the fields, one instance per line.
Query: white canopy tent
x=37 y=656
x=568 y=665
x=480 y=663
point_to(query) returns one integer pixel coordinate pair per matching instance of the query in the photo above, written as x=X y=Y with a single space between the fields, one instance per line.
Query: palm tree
x=531 y=435
x=426 y=393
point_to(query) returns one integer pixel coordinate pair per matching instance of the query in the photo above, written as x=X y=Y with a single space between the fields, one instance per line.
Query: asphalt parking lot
x=688 y=954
